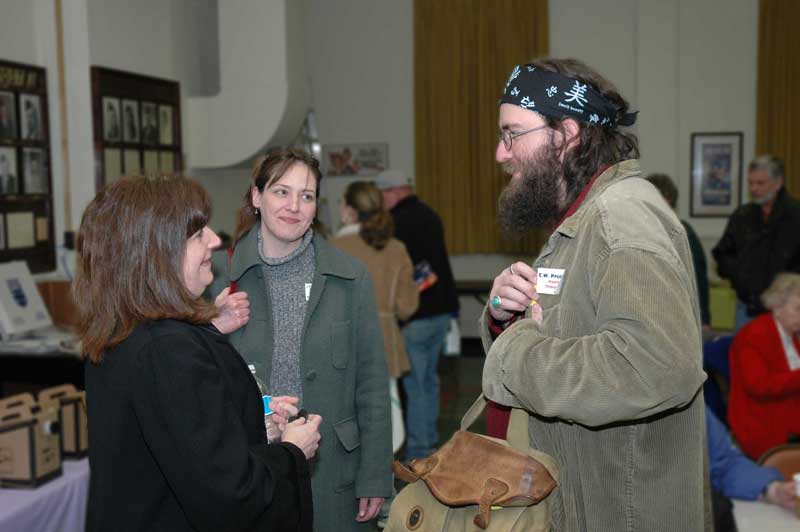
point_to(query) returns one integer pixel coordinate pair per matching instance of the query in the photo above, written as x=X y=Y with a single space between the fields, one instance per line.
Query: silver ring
x=511 y=269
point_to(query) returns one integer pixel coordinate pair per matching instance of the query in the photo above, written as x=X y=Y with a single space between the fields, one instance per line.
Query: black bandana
x=553 y=95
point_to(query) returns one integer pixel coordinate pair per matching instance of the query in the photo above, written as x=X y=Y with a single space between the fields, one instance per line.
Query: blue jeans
x=424 y=340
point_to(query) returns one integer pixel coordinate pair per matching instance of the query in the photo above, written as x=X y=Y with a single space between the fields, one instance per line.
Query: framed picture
x=9 y=182
x=165 y=124
x=716 y=170
x=130 y=120
x=8 y=116
x=112 y=131
x=31 y=117
x=35 y=174
x=367 y=159
x=149 y=124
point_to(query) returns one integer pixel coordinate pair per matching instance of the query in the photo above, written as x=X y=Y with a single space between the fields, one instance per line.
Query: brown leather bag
x=488 y=480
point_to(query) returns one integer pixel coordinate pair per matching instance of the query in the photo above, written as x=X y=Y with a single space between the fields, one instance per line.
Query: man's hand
x=368 y=508
x=234 y=311
x=514 y=290
x=782 y=494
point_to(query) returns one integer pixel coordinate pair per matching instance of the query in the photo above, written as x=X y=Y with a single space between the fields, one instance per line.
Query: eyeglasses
x=507 y=137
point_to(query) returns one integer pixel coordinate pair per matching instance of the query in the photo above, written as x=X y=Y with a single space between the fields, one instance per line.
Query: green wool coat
x=343 y=371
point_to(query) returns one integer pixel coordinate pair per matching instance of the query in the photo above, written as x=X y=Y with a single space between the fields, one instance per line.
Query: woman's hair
x=131 y=247
x=268 y=170
x=784 y=286
x=377 y=226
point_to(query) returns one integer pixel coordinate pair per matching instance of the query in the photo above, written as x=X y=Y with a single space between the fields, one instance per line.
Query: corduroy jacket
x=612 y=375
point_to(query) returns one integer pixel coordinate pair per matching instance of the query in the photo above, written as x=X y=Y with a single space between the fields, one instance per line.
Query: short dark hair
x=599 y=146
x=267 y=170
x=131 y=246
x=666 y=186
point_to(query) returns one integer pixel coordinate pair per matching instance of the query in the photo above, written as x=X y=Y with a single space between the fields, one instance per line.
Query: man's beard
x=538 y=198
x=766 y=198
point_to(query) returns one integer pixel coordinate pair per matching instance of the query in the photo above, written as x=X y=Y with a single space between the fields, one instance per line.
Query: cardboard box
x=30 y=442
x=71 y=405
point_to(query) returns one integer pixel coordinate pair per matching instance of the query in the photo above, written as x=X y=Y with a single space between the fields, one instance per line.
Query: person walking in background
x=313 y=332
x=669 y=192
x=761 y=238
x=176 y=423
x=366 y=234
x=420 y=229
x=599 y=341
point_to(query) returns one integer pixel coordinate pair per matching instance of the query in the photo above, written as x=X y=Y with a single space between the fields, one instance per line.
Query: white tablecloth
x=754 y=516
x=57 y=506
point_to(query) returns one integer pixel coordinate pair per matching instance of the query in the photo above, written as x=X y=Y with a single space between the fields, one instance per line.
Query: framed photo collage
x=136 y=125
x=26 y=201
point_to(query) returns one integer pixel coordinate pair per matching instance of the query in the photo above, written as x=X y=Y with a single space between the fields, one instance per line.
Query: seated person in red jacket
x=764 y=408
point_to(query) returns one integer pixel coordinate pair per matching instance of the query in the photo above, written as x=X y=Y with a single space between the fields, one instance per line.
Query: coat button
x=311 y=375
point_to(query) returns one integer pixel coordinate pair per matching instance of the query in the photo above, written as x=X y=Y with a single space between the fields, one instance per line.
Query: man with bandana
x=600 y=339
x=761 y=238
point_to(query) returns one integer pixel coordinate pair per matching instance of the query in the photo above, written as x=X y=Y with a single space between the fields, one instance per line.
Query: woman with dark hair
x=176 y=438
x=313 y=333
x=367 y=236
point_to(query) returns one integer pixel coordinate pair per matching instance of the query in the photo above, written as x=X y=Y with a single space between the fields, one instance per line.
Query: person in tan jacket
x=367 y=235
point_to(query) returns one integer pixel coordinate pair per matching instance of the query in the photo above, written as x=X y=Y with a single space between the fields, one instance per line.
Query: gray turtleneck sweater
x=287 y=281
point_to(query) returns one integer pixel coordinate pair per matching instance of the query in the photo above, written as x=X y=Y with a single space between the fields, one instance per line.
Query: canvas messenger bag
x=475 y=483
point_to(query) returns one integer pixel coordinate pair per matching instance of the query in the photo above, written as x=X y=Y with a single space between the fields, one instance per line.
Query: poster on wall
x=8 y=116
x=9 y=182
x=716 y=174
x=367 y=159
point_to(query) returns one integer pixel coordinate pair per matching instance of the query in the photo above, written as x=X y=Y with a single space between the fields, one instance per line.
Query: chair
x=715 y=363
x=785 y=458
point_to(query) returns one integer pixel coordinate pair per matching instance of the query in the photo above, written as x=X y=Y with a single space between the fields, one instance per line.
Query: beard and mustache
x=540 y=196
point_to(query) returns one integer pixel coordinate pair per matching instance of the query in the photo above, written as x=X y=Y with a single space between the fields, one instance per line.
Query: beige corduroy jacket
x=392 y=272
x=612 y=375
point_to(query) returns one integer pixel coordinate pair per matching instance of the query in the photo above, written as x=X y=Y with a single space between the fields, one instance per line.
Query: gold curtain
x=463 y=52
x=778 y=111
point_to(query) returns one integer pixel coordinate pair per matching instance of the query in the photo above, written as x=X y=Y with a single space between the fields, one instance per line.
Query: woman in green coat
x=312 y=332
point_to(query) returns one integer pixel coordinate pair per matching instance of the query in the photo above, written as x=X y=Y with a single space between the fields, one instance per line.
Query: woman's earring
x=256 y=211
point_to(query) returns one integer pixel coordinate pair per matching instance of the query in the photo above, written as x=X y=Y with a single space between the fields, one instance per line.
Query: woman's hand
x=283 y=407
x=513 y=291
x=304 y=433
x=368 y=508
x=234 y=311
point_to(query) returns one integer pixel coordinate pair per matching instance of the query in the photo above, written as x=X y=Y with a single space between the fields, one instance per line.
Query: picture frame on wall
x=35 y=171
x=9 y=176
x=8 y=116
x=149 y=123
x=366 y=159
x=165 y=124
x=112 y=129
x=716 y=174
x=130 y=120
x=31 y=123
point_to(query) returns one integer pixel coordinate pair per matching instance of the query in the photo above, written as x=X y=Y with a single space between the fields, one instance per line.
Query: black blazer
x=177 y=441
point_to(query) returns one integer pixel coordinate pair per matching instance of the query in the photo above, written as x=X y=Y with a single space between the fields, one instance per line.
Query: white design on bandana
x=527 y=103
x=513 y=76
x=530 y=68
x=604 y=121
x=594 y=118
x=551 y=91
x=576 y=94
x=514 y=91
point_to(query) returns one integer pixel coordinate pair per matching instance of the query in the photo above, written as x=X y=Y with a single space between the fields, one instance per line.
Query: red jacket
x=764 y=405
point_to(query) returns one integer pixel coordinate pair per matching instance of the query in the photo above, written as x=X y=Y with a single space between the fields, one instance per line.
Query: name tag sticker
x=549 y=280
x=308 y=291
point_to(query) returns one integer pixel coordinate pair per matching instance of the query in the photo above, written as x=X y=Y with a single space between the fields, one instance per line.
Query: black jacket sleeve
x=221 y=480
